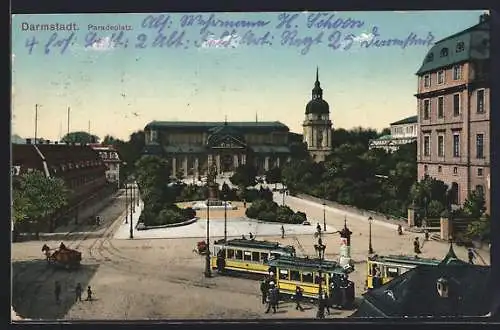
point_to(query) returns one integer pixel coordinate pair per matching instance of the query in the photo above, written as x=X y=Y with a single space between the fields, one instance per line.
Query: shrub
x=267 y=216
x=283 y=214
x=298 y=218
x=189 y=213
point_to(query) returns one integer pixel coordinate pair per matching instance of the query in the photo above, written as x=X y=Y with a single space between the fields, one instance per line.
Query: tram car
x=246 y=256
x=382 y=269
x=291 y=272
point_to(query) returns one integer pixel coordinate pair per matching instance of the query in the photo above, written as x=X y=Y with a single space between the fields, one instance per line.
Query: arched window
x=454 y=193
x=460 y=47
x=444 y=52
x=430 y=57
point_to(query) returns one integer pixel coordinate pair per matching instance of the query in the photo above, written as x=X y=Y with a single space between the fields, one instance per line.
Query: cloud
x=402 y=12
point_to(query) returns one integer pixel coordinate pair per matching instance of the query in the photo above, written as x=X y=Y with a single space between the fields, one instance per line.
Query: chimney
x=48 y=141
x=56 y=142
x=28 y=141
x=484 y=17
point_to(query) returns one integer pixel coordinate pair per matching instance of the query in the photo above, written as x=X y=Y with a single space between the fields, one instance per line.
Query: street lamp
x=225 y=187
x=208 y=271
x=131 y=214
x=320 y=248
x=324 y=216
x=284 y=190
x=126 y=202
x=370 y=248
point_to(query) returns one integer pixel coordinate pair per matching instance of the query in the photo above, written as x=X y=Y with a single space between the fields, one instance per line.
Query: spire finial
x=225 y=120
x=345 y=221
x=255 y=116
x=317 y=74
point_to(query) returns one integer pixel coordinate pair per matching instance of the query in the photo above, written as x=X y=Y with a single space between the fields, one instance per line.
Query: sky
x=118 y=87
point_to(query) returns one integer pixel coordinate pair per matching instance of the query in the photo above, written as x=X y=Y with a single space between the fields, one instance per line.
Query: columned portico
x=235 y=162
x=174 y=166
x=185 y=166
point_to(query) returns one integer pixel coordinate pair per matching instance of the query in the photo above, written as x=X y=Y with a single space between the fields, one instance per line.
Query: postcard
x=274 y=165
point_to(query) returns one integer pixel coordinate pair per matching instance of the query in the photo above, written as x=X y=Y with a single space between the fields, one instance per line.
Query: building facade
x=317 y=125
x=402 y=132
x=191 y=146
x=111 y=160
x=454 y=112
x=79 y=166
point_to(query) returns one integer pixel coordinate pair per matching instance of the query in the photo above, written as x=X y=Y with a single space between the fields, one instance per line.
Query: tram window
x=247 y=256
x=275 y=255
x=404 y=270
x=256 y=256
x=375 y=270
x=264 y=257
x=316 y=278
x=307 y=277
x=392 y=272
x=283 y=274
x=239 y=255
x=230 y=254
x=294 y=275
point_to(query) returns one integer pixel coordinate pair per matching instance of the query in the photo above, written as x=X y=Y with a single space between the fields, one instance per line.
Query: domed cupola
x=317 y=105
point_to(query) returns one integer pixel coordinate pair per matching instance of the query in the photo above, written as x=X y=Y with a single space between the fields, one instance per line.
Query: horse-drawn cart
x=63 y=257
x=201 y=248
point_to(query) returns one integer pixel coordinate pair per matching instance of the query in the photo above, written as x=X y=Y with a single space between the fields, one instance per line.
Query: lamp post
x=224 y=197
x=131 y=215
x=208 y=272
x=320 y=248
x=324 y=215
x=370 y=248
x=284 y=191
x=126 y=202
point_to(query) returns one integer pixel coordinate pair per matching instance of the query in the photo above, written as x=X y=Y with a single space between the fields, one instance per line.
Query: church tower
x=317 y=125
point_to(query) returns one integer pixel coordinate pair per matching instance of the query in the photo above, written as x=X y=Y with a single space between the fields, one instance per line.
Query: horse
x=46 y=251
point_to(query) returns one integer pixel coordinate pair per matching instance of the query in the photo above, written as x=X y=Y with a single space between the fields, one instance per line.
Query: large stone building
x=111 y=159
x=454 y=112
x=192 y=146
x=403 y=131
x=317 y=124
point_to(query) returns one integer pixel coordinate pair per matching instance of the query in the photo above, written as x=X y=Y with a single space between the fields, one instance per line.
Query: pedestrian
x=426 y=233
x=400 y=230
x=264 y=289
x=471 y=256
x=318 y=228
x=416 y=246
x=273 y=298
x=321 y=307
x=245 y=204
x=89 y=294
x=250 y=235
x=57 y=292
x=78 y=292
x=298 y=298
x=282 y=231
x=326 y=298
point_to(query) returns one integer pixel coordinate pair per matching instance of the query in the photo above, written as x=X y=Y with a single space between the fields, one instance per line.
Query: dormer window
x=460 y=47
x=430 y=57
x=444 y=52
x=442 y=287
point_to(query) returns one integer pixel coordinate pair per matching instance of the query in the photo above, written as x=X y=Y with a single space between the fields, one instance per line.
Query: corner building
x=454 y=112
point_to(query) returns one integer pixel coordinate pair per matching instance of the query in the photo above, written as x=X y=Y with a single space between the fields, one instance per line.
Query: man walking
x=78 y=292
x=321 y=306
x=264 y=289
x=298 y=298
x=416 y=246
x=471 y=256
x=57 y=292
x=273 y=298
x=89 y=294
x=282 y=231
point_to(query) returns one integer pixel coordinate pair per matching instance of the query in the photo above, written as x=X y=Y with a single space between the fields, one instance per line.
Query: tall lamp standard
x=370 y=248
x=324 y=216
x=126 y=202
x=320 y=248
x=283 y=188
x=131 y=211
x=225 y=189
x=208 y=272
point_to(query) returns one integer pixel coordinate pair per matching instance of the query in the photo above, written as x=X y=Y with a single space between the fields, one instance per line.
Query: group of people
x=270 y=294
x=78 y=292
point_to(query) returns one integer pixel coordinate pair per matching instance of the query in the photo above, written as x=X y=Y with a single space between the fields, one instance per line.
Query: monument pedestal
x=345 y=255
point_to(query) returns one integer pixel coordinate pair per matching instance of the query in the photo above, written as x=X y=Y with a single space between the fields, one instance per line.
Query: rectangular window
x=479 y=146
x=440 y=107
x=307 y=277
x=427 y=109
x=256 y=256
x=480 y=101
x=479 y=172
x=392 y=272
x=294 y=275
x=455 y=170
x=456 y=104
x=239 y=254
x=440 y=146
x=264 y=257
x=456 y=145
x=427 y=145
x=427 y=80
x=284 y=274
x=440 y=77
x=457 y=72
x=247 y=256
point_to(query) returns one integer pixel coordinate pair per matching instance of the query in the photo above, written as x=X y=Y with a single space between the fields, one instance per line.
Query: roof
x=307 y=263
x=205 y=125
x=414 y=293
x=317 y=106
x=250 y=243
x=407 y=120
x=402 y=259
x=270 y=149
x=467 y=45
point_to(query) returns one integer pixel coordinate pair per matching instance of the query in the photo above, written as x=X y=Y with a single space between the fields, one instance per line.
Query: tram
x=382 y=269
x=291 y=272
x=246 y=255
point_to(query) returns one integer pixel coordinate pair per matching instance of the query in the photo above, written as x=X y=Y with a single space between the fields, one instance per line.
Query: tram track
x=30 y=288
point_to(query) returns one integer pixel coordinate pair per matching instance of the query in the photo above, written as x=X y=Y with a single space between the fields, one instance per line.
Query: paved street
x=163 y=278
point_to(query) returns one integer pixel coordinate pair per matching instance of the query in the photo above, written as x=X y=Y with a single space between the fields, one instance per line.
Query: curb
x=185 y=223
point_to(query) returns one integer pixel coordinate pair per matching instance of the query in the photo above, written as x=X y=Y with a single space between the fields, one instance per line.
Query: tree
x=273 y=176
x=475 y=204
x=244 y=176
x=385 y=131
x=109 y=140
x=152 y=175
x=38 y=198
x=80 y=137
